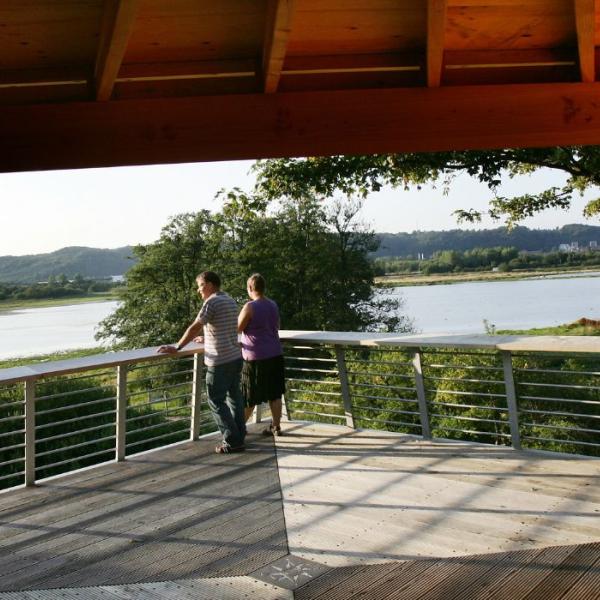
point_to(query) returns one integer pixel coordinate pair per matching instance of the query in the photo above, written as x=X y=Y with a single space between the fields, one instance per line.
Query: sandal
x=226 y=449
x=270 y=430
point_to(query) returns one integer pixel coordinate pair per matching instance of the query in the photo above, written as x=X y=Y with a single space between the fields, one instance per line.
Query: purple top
x=260 y=339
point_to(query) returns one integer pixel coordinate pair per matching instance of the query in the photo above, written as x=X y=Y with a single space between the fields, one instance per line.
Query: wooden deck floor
x=332 y=514
x=160 y=516
x=364 y=497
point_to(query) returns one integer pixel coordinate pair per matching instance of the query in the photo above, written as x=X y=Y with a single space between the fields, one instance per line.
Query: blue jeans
x=225 y=401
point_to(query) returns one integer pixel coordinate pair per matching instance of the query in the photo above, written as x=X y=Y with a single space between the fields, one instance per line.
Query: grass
x=410 y=279
x=568 y=329
x=6 y=305
x=41 y=358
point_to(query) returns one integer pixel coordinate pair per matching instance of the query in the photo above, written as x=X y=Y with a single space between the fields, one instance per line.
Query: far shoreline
x=10 y=305
x=405 y=280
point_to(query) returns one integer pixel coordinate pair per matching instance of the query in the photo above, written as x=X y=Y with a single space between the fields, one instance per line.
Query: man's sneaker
x=227 y=449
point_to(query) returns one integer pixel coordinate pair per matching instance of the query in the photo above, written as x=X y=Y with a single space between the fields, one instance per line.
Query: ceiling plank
x=585 y=12
x=436 y=26
x=118 y=20
x=352 y=63
x=277 y=34
x=498 y=59
x=135 y=132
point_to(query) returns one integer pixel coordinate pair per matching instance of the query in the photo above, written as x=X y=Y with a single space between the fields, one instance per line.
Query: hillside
x=88 y=262
x=428 y=242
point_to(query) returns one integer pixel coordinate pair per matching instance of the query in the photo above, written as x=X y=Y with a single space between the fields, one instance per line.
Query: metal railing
x=525 y=392
x=534 y=393
x=61 y=416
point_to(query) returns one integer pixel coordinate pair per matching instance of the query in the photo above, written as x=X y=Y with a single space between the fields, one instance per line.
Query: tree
x=359 y=175
x=315 y=262
x=159 y=297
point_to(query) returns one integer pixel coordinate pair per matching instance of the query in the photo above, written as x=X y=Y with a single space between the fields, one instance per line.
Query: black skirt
x=263 y=380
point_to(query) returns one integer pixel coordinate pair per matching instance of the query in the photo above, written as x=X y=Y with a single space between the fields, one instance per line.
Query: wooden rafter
x=277 y=33
x=229 y=127
x=436 y=25
x=119 y=17
x=585 y=11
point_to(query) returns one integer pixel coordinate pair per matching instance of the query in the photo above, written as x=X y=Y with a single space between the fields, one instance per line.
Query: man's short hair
x=210 y=277
x=257 y=283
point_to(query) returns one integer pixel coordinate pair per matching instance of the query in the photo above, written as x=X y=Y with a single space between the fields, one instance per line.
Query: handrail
x=95 y=361
x=511 y=343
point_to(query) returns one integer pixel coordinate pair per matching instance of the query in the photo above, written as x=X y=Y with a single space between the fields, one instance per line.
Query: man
x=216 y=325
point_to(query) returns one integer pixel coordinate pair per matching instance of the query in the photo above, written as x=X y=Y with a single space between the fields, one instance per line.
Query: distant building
x=594 y=244
x=571 y=247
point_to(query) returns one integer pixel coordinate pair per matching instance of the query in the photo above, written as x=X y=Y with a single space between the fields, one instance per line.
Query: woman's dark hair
x=257 y=283
x=210 y=277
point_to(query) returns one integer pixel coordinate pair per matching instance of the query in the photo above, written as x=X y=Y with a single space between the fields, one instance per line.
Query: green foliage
x=409 y=245
x=315 y=262
x=360 y=175
x=483 y=259
x=56 y=288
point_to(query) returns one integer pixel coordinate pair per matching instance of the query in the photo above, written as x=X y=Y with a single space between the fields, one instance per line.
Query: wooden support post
x=197 y=383
x=343 y=373
x=421 y=395
x=511 y=400
x=121 y=417
x=29 y=432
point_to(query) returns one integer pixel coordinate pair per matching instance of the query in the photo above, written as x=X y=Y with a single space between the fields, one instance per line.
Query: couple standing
x=262 y=371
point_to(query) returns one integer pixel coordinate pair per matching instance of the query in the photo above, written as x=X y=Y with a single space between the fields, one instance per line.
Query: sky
x=108 y=208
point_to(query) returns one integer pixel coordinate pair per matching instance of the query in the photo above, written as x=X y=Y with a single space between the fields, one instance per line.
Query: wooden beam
x=436 y=27
x=585 y=20
x=136 y=132
x=118 y=21
x=277 y=33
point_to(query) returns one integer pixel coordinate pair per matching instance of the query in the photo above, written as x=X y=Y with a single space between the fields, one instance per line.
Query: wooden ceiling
x=112 y=82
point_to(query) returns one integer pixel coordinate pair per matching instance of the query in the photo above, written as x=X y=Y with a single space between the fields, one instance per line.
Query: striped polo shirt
x=219 y=315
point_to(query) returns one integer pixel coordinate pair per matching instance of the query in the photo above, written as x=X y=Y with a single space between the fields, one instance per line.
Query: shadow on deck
x=367 y=515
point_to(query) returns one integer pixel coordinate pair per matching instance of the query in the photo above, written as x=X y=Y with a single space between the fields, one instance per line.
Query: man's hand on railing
x=199 y=339
x=168 y=350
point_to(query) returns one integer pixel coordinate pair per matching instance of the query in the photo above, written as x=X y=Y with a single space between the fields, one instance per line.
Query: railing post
x=196 y=397
x=421 y=395
x=511 y=399
x=29 y=432
x=121 y=412
x=341 y=364
x=258 y=413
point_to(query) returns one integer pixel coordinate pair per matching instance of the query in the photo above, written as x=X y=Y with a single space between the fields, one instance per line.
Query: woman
x=263 y=370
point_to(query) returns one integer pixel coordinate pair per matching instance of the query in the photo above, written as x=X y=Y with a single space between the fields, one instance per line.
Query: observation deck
x=334 y=508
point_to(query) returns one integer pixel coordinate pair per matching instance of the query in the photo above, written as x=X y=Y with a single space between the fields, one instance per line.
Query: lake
x=29 y=331
x=540 y=302
x=456 y=308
